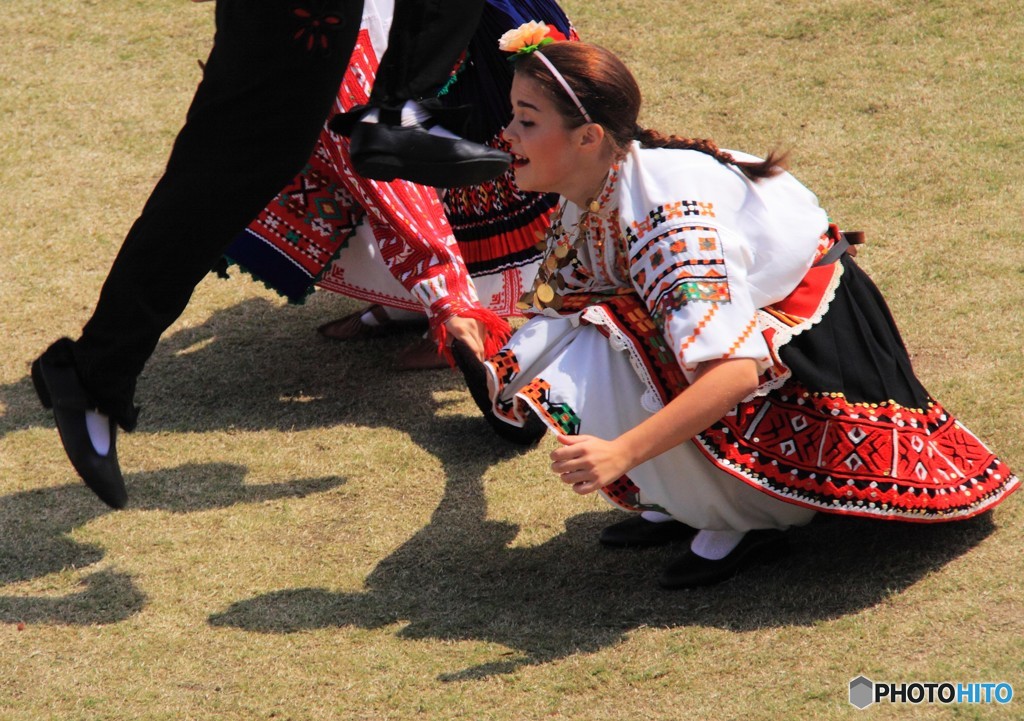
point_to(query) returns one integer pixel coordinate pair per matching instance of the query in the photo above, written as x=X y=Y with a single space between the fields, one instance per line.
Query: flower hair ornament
x=528 y=39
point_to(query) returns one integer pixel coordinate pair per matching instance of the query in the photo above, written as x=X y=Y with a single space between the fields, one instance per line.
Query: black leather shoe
x=693 y=571
x=384 y=152
x=58 y=387
x=638 y=532
x=455 y=118
x=476 y=380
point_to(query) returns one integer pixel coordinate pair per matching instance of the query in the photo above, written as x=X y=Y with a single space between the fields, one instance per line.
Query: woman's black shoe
x=693 y=571
x=476 y=380
x=637 y=532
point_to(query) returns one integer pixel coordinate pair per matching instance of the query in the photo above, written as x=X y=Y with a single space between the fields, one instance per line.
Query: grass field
x=314 y=536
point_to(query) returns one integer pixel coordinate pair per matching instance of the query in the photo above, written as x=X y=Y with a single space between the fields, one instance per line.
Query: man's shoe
x=455 y=118
x=58 y=387
x=693 y=571
x=384 y=152
x=637 y=532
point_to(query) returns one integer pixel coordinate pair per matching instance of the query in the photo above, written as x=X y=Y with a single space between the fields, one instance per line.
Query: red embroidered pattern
x=316 y=25
x=313 y=218
x=821 y=451
x=860 y=459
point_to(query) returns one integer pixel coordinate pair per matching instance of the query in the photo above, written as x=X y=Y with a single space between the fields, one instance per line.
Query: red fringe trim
x=497 y=331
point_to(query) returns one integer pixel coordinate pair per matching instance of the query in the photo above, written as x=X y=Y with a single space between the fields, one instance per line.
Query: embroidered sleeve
x=429 y=265
x=692 y=278
x=408 y=220
x=420 y=251
x=415 y=240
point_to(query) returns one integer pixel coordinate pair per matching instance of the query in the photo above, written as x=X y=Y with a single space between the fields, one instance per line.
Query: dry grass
x=313 y=536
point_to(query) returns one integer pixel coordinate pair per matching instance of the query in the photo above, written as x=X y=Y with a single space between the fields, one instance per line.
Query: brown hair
x=611 y=96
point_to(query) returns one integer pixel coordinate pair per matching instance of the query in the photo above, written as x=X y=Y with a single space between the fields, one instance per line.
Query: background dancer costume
x=396 y=243
x=267 y=87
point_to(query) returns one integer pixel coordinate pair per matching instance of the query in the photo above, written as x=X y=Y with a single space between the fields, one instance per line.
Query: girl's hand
x=587 y=463
x=470 y=331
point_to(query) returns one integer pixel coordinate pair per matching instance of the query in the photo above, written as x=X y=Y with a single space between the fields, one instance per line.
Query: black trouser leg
x=424 y=43
x=268 y=87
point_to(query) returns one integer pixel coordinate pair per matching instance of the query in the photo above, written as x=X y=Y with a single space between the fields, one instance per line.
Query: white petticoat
x=591 y=378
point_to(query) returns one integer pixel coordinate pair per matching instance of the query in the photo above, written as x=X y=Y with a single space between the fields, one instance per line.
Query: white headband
x=565 y=85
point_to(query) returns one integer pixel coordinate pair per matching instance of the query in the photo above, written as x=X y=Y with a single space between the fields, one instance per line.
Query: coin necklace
x=559 y=252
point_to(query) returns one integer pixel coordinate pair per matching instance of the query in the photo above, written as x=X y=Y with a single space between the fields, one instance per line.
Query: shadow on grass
x=37 y=525
x=256 y=366
x=245 y=368
x=458 y=579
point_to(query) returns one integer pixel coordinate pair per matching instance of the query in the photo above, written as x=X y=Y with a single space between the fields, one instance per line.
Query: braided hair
x=611 y=96
x=755 y=170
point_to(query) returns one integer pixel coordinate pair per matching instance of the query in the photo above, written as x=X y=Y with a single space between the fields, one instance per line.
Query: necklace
x=562 y=250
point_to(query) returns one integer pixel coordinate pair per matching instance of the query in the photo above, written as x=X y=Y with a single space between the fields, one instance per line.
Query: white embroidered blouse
x=702 y=245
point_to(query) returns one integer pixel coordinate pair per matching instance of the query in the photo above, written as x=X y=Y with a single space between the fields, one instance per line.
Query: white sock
x=414 y=114
x=442 y=133
x=98 y=426
x=369 y=319
x=715 y=545
x=656 y=516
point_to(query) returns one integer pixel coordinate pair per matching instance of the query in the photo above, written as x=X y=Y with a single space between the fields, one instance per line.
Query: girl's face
x=543 y=148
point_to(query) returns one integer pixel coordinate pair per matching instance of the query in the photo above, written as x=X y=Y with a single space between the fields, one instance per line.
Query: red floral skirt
x=846 y=426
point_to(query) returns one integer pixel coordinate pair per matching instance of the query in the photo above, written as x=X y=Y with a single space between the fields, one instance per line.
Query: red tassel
x=496 y=328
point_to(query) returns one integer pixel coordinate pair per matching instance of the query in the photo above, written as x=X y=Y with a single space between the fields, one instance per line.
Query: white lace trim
x=867 y=510
x=785 y=333
x=651 y=399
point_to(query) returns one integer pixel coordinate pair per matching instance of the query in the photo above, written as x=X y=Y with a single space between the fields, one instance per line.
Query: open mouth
x=518 y=161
